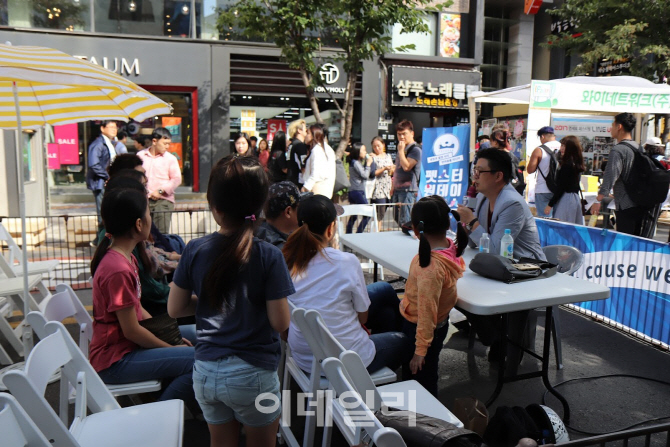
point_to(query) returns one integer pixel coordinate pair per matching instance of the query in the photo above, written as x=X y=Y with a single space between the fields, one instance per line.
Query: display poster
x=594 y=136
x=487 y=125
x=173 y=124
x=67 y=139
x=275 y=126
x=450 y=35
x=53 y=160
x=636 y=270
x=248 y=122
x=444 y=163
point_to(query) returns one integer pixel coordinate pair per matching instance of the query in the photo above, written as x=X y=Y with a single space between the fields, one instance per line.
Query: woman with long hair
x=241 y=284
x=320 y=165
x=263 y=153
x=360 y=167
x=384 y=169
x=331 y=282
x=121 y=350
x=278 y=162
x=242 y=145
x=566 y=201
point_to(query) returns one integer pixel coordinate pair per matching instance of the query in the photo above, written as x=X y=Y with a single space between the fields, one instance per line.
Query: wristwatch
x=161 y=192
x=471 y=224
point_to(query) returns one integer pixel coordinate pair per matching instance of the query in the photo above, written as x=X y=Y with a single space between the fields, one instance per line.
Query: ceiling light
x=184 y=9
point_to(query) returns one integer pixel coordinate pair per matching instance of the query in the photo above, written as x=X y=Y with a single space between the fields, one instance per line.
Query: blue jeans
x=227 y=389
x=158 y=363
x=357 y=197
x=541 y=201
x=401 y=214
x=385 y=322
x=97 y=195
x=427 y=376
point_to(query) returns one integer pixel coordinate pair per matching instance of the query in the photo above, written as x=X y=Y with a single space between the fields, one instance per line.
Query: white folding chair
x=17 y=429
x=10 y=264
x=406 y=394
x=157 y=424
x=363 y=211
x=65 y=304
x=314 y=382
x=357 y=420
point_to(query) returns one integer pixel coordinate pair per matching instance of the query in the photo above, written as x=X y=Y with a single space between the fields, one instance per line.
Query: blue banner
x=636 y=270
x=444 y=163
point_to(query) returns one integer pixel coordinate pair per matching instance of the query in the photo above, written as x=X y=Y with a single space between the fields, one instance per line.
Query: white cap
x=653 y=141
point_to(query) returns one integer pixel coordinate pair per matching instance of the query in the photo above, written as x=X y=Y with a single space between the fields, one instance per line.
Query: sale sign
x=52 y=156
x=67 y=139
x=275 y=126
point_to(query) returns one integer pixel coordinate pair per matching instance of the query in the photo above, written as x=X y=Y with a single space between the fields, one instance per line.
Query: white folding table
x=483 y=296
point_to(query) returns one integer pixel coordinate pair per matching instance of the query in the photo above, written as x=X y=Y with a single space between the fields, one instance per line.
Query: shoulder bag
x=509 y=271
x=165 y=328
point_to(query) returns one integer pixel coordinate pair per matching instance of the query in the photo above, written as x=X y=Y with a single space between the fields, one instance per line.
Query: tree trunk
x=310 y=96
x=348 y=118
x=666 y=128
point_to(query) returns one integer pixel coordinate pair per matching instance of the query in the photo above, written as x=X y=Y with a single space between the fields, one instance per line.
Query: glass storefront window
x=180 y=124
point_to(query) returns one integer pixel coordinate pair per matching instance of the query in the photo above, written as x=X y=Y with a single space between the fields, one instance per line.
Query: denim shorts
x=229 y=388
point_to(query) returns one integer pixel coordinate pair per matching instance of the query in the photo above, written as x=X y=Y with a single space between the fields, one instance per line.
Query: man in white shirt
x=539 y=161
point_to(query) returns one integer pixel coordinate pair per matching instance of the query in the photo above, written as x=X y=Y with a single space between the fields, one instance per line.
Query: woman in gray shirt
x=361 y=168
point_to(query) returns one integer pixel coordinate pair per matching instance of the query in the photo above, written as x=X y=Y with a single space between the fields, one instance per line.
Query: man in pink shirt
x=164 y=175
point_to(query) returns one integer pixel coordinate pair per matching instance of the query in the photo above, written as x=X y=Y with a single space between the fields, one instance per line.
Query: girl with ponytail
x=331 y=282
x=430 y=292
x=241 y=284
x=121 y=350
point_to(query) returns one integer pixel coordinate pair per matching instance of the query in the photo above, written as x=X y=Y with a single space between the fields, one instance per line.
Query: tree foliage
x=615 y=29
x=357 y=30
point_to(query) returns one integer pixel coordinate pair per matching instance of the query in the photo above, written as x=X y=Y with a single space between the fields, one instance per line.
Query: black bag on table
x=426 y=431
x=510 y=271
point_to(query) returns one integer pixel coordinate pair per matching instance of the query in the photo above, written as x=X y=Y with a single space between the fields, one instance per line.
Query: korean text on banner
x=636 y=270
x=444 y=163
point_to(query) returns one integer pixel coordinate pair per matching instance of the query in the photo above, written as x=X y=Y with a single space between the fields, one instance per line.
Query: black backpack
x=550 y=178
x=648 y=181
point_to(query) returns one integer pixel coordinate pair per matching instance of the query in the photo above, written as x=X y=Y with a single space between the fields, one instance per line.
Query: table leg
x=374 y=275
x=545 y=365
x=501 y=360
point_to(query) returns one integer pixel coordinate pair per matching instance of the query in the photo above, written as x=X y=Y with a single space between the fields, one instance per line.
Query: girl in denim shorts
x=241 y=284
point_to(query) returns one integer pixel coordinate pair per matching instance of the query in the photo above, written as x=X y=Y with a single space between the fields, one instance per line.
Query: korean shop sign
x=434 y=88
x=605 y=98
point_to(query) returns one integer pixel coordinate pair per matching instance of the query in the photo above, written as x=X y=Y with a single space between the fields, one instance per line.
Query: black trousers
x=630 y=220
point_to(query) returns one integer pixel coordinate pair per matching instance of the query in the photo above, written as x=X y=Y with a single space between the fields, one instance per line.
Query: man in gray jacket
x=500 y=207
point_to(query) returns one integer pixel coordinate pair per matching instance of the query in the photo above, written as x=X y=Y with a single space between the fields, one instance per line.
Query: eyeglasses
x=477 y=171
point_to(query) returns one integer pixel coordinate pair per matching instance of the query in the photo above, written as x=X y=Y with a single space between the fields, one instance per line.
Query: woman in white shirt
x=320 y=165
x=331 y=282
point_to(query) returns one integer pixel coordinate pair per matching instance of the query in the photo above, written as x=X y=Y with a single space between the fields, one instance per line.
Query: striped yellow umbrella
x=55 y=88
x=41 y=86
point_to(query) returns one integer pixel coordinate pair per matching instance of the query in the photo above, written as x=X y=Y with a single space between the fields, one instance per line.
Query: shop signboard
x=576 y=96
x=275 y=126
x=53 y=161
x=450 y=35
x=67 y=140
x=433 y=88
x=248 y=122
x=444 y=162
x=594 y=136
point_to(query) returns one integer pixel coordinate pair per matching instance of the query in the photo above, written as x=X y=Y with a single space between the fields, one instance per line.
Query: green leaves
x=614 y=29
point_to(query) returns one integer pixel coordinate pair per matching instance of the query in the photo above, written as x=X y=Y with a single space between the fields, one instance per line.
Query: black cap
x=318 y=212
x=545 y=129
x=282 y=195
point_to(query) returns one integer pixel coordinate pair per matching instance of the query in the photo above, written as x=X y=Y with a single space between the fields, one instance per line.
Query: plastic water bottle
x=484 y=243
x=507 y=245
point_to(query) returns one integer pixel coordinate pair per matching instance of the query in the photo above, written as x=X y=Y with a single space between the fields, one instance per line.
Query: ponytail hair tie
x=108 y=236
x=420 y=226
x=251 y=218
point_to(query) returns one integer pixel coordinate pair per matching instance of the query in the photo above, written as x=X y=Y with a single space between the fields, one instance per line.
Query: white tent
x=613 y=94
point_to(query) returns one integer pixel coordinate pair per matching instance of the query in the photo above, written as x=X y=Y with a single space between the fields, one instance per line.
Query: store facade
x=211 y=87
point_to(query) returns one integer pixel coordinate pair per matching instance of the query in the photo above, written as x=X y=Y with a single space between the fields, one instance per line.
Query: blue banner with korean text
x=636 y=270
x=444 y=163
